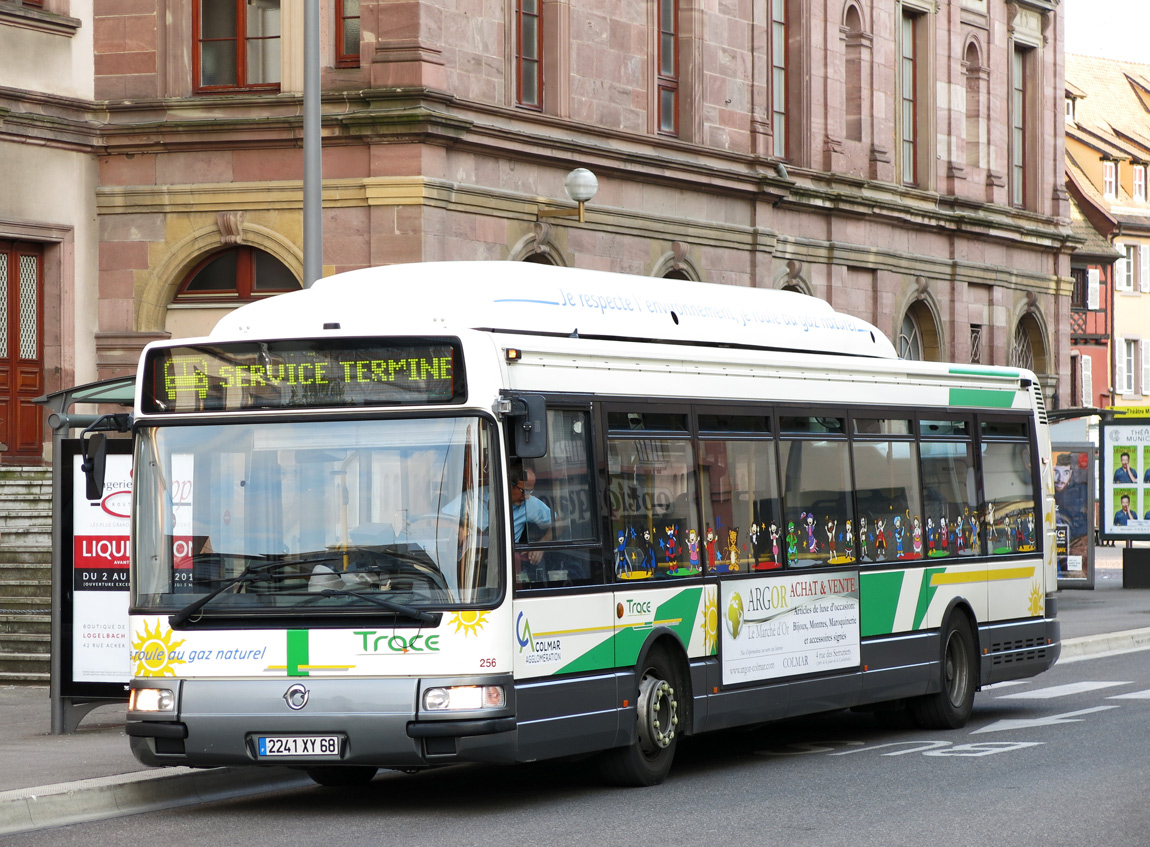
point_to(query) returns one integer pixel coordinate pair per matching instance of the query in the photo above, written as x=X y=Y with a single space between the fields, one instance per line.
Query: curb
x=105 y=797
x=1110 y=642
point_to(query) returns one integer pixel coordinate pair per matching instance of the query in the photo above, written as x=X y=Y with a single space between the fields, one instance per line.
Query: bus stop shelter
x=72 y=697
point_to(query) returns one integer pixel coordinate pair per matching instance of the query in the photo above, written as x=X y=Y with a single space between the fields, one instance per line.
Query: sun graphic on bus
x=710 y=624
x=154 y=652
x=470 y=621
x=1036 y=599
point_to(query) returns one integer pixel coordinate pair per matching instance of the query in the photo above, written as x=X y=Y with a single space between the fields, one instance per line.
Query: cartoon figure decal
x=880 y=540
x=812 y=542
x=829 y=529
x=733 y=549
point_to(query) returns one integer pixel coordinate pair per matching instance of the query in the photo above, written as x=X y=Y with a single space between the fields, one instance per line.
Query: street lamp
x=581 y=186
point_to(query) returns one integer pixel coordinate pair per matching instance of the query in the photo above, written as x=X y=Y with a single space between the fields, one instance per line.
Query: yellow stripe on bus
x=312 y=667
x=996 y=575
x=648 y=624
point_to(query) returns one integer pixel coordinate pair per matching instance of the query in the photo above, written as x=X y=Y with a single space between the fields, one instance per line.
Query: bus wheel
x=950 y=708
x=647 y=759
x=342 y=777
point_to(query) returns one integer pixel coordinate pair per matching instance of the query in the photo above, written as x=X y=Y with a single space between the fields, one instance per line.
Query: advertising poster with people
x=1074 y=509
x=1124 y=456
x=100 y=533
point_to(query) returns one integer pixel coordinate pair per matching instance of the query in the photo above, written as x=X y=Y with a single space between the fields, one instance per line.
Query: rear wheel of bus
x=951 y=706
x=648 y=758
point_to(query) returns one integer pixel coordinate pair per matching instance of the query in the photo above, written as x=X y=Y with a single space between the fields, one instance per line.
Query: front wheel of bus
x=950 y=708
x=647 y=759
x=342 y=777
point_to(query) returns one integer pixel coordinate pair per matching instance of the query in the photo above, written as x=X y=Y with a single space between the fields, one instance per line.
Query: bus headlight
x=461 y=698
x=152 y=700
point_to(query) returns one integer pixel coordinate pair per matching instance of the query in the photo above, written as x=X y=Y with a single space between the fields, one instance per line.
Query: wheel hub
x=658 y=714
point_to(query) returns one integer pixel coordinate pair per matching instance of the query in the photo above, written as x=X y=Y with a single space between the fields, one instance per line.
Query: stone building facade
x=902 y=159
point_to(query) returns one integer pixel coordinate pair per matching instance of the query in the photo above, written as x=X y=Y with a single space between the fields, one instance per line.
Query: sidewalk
x=51 y=780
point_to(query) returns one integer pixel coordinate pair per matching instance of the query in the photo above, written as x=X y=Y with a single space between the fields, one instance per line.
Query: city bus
x=501 y=512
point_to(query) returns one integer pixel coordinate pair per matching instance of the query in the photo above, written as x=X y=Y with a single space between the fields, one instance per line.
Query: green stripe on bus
x=878 y=602
x=995 y=398
x=679 y=614
x=297 y=651
x=966 y=370
x=599 y=657
x=926 y=593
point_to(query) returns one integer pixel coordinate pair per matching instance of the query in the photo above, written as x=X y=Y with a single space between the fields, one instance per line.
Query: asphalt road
x=1057 y=760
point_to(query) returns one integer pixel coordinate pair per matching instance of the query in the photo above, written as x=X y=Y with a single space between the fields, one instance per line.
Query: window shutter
x=1144 y=268
x=1145 y=367
x=1120 y=268
x=1087 y=380
x=1093 y=283
x=1119 y=364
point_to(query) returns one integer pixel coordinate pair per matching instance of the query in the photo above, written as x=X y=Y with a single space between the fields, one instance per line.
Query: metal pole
x=312 y=149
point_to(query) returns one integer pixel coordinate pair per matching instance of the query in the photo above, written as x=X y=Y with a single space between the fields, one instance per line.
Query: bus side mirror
x=95 y=452
x=529 y=421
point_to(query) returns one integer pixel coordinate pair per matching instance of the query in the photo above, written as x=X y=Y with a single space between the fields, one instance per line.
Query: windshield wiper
x=253 y=570
x=390 y=605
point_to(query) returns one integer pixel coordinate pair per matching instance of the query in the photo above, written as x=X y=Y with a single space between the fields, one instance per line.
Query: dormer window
x=1109 y=180
x=1140 y=183
x=1070 y=105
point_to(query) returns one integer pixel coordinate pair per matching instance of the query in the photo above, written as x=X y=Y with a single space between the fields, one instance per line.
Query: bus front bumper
x=319 y=722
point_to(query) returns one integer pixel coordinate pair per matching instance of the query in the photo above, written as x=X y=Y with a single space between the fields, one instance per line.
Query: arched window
x=910 y=339
x=1028 y=349
x=676 y=273
x=974 y=123
x=539 y=259
x=853 y=90
x=236 y=275
x=918 y=336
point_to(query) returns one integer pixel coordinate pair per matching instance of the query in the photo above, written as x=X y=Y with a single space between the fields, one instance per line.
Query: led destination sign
x=303 y=374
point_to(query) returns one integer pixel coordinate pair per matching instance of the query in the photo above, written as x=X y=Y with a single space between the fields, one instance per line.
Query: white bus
x=498 y=512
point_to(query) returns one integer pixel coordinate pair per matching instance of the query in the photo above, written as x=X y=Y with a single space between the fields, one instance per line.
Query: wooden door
x=21 y=351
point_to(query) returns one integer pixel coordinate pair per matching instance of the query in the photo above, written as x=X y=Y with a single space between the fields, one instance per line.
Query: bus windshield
x=304 y=518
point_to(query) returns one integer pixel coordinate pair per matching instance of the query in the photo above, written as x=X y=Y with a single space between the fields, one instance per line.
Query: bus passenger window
x=886 y=486
x=949 y=498
x=560 y=486
x=1008 y=513
x=742 y=517
x=651 y=495
x=817 y=505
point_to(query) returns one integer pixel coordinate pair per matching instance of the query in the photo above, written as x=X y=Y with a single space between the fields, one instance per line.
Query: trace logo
x=418 y=643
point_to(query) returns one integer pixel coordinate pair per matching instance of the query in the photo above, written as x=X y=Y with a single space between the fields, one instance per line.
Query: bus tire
x=345 y=776
x=951 y=706
x=647 y=760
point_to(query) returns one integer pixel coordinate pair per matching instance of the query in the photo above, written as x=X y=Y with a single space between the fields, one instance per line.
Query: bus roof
x=438 y=298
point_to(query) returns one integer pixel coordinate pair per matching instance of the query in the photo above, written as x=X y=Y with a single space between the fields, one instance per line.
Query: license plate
x=325 y=746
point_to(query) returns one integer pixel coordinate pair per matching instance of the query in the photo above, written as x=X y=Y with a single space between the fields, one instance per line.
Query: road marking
x=1050 y=720
x=1133 y=695
x=1010 y=683
x=1061 y=690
